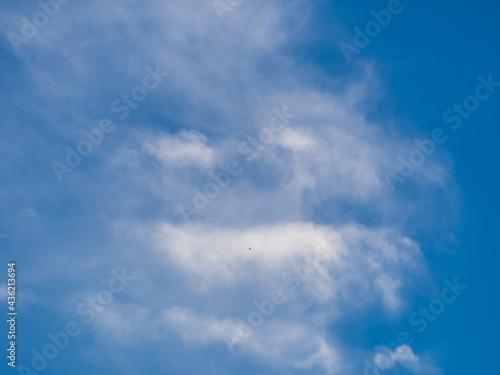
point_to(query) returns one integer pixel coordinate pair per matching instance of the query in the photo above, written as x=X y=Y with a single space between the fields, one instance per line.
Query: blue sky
x=214 y=128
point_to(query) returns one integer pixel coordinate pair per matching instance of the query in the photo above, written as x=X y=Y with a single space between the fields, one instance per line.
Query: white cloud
x=280 y=343
x=402 y=354
x=325 y=357
x=296 y=140
x=218 y=278
x=185 y=149
x=373 y=262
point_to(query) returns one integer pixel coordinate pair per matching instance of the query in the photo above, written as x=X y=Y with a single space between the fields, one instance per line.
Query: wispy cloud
x=404 y=356
x=189 y=148
x=319 y=180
